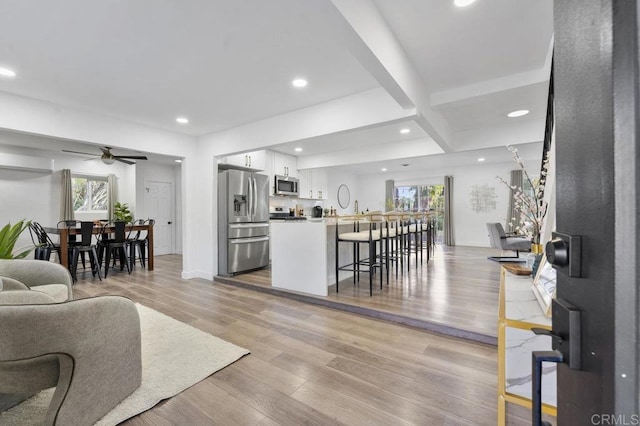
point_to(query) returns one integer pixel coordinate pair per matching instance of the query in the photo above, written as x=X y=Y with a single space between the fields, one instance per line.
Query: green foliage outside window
x=90 y=194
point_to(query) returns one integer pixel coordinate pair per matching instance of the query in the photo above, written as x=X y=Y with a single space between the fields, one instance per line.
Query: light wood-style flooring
x=458 y=289
x=310 y=364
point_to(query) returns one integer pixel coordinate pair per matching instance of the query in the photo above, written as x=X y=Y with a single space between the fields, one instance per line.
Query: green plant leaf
x=9 y=236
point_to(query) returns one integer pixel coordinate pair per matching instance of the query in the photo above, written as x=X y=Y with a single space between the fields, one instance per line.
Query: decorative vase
x=536 y=248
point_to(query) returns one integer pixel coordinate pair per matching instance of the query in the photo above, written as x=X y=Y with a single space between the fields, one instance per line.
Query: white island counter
x=303 y=255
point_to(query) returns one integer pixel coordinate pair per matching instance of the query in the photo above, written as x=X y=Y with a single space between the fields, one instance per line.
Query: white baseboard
x=187 y=275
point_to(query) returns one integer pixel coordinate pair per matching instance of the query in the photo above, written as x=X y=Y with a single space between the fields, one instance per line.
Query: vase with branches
x=529 y=202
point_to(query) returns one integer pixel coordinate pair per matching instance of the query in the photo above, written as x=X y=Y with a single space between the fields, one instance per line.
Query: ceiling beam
x=339 y=115
x=371 y=40
x=383 y=152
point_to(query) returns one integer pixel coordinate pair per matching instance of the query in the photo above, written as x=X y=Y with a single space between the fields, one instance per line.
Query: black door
x=596 y=101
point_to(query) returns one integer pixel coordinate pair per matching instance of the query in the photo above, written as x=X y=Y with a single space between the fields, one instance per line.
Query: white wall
x=337 y=178
x=469 y=226
x=36 y=196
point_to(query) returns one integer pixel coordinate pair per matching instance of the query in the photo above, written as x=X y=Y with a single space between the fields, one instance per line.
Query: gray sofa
x=88 y=349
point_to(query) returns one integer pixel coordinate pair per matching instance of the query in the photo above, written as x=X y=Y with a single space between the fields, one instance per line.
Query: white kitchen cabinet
x=305 y=186
x=313 y=183
x=285 y=165
x=320 y=183
x=268 y=169
x=255 y=160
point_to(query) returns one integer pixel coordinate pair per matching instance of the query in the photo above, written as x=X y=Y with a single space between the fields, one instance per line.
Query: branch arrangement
x=529 y=204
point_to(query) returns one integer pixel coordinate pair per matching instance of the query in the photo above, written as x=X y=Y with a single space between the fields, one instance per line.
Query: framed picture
x=544 y=285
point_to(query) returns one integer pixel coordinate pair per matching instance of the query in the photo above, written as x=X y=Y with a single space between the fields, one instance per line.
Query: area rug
x=175 y=356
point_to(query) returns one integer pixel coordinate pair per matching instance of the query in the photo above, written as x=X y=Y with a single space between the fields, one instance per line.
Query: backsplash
x=289 y=202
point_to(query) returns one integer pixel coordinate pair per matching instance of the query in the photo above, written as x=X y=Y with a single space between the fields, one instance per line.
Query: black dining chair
x=72 y=239
x=140 y=241
x=43 y=242
x=84 y=246
x=116 y=246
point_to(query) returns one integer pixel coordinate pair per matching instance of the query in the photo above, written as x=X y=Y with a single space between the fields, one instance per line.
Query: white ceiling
x=227 y=63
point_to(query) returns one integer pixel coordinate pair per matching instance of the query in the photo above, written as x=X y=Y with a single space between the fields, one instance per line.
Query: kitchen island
x=303 y=255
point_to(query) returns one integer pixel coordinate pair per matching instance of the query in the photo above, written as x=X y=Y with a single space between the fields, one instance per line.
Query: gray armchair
x=500 y=240
x=50 y=278
x=89 y=349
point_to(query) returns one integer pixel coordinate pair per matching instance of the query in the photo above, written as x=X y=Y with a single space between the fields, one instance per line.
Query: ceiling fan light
x=107 y=160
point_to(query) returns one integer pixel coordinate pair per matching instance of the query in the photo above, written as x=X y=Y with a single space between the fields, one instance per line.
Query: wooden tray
x=516 y=268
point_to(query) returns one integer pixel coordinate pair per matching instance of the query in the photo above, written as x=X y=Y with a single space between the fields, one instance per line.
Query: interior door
x=158 y=203
x=596 y=101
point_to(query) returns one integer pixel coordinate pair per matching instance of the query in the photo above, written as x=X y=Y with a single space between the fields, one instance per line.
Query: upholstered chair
x=500 y=240
x=88 y=349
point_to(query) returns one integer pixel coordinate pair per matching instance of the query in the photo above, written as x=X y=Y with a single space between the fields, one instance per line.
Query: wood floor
x=309 y=364
x=457 y=289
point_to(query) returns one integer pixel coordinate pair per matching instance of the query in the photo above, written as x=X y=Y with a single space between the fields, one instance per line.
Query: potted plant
x=121 y=212
x=9 y=236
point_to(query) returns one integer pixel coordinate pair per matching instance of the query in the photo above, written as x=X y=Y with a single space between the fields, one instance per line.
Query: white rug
x=175 y=356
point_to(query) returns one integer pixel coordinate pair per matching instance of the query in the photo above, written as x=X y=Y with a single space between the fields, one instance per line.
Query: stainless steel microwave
x=286 y=185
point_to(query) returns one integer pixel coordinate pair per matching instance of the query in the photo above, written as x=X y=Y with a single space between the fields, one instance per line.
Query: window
x=422 y=198
x=90 y=194
x=419 y=198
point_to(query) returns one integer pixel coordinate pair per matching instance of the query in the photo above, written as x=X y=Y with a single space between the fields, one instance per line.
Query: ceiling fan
x=108 y=158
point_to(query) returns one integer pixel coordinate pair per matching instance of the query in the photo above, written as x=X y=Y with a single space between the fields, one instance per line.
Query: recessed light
x=518 y=113
x=178 y=161
x=405 y=131
x=182 y=120
x=298 y=150
x=299 y=82
x=6 y=72
x=384 y=169
x=481 y=159
x=463 y=3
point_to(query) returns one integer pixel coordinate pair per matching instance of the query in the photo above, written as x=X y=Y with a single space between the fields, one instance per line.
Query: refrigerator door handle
x=250 y=199
x=248 y=240
x=255 y=194
x=248 y=225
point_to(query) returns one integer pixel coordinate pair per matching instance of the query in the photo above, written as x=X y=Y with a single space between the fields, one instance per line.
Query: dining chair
x=117 y=246
x=72 y=239
x=84 y=246
x=140 y=241
x=43 y=242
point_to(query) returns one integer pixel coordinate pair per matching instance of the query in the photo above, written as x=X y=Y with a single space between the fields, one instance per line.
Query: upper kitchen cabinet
x=313 y=183
x=255 y=160
x=285 y=165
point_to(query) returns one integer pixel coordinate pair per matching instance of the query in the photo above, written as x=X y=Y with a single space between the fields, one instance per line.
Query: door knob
x=169 y=223
x=564 y=253
x=557 y=252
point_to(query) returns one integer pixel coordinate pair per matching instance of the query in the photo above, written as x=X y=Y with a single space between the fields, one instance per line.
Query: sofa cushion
x=25 y=297
x=12 y=284
x=59 y=292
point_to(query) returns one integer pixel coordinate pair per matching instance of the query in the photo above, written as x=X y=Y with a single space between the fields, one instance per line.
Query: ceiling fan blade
x=133 y=157
x=78 y=152
x=123 y=161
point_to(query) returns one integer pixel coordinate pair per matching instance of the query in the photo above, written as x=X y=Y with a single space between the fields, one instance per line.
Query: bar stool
x=396 y=240
x=381 y=228
x=356 y=238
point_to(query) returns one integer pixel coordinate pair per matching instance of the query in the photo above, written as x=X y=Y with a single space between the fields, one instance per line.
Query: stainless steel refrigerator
x=243 y=221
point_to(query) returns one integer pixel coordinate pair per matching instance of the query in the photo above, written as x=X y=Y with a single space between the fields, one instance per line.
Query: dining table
x=98 y=228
